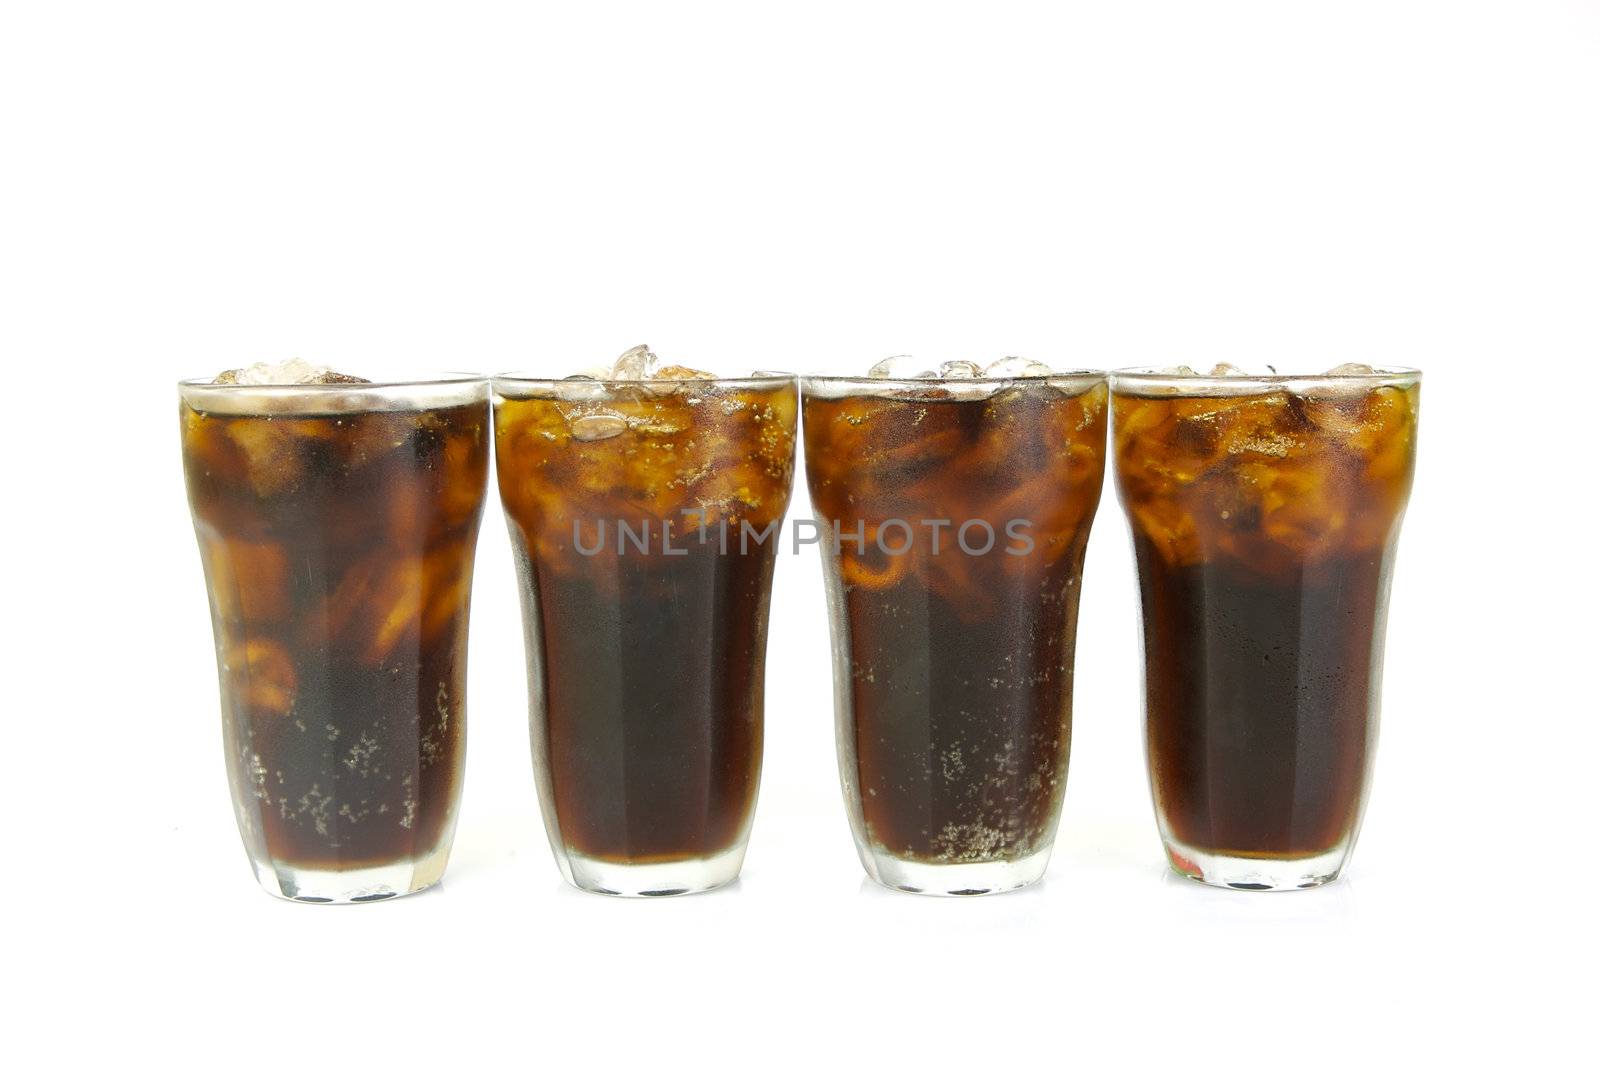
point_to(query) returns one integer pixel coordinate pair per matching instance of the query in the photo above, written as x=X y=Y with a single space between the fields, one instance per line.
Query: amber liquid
x=338 y=553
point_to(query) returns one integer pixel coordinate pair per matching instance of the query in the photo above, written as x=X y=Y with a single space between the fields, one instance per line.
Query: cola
x=645 y=517
x=1265 y=514
x=337 y=524
x=955 y=517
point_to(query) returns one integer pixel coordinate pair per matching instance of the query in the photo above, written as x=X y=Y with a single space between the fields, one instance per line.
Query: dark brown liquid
x=958 y=701
x=338 y=553
x=962 y=724
x=1260 y=701
x=652 y=686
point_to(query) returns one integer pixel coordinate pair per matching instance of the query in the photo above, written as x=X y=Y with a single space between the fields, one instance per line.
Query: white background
x=387 y=186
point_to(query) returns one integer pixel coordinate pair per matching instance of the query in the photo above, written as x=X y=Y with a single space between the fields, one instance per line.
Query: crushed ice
x=289 y=372
x=1228 y=369
x=591 y=421
x=907 y=368
x=639 y=363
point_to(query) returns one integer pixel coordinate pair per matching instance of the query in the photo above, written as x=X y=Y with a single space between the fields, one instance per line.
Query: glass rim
x=936 y=382
x=433 y=392
x=755 y=379
x=1144 y=378
x=440 y=379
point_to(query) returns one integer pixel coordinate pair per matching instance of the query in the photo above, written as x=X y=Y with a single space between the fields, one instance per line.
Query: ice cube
x=294 y=371
x=597 y=425
x=1336 y=381
x=249 y=580
x=277 y=450
x=261 y=675
x=669 y=379
x=1016 y=366
x=683 y=373
x=464 y=466
x=893 y=366
x=964 y=389
x=384 y=605
x=1226 y=369
x=580 y=388
x=959 y=369
x=448 y=589
x=635 y=364
x=393 y=611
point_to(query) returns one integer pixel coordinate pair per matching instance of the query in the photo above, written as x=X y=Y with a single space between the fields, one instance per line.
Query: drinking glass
x=1265 y=512
x=954 y=517
x=337 y=525
x=645 y=517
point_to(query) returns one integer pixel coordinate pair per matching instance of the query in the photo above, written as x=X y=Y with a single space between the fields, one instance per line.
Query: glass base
x=369 y=884
x=652 y=879
x=1256 y=874
x=956 y=879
